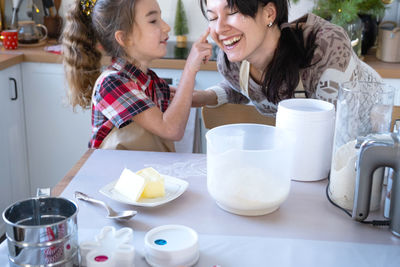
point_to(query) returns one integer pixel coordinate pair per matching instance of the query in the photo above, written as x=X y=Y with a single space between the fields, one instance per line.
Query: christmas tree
x=342 y=12
x=180 y=26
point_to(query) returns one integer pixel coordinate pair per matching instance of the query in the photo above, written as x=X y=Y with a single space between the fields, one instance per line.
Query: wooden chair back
x=233 y=113
x=238 y=113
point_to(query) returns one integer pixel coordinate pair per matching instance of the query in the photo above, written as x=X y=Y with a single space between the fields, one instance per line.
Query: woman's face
x=241 y=37
x=148 y=40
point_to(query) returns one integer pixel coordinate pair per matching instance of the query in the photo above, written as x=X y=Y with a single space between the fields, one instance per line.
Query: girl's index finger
x=203 y=38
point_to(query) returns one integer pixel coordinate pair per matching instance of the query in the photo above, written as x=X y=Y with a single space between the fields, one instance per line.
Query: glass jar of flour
x=363 y=108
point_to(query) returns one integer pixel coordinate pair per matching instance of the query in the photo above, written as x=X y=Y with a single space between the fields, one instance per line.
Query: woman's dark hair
x=80 y=38
x=290 y=56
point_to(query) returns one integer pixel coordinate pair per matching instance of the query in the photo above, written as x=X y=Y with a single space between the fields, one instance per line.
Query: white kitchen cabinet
x=14 y=180
x=194 y=138
x=204 y=79
x=56 y=135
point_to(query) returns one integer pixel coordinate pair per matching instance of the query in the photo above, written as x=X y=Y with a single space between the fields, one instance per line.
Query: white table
x=305 y=231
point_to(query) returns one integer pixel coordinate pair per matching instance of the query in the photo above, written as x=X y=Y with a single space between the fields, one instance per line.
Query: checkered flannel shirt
x=122 y=94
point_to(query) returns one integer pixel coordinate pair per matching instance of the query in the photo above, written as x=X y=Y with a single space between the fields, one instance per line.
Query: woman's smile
x=230 y=43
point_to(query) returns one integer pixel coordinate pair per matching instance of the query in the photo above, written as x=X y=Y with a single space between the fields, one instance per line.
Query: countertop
x=306 y=230
x=172 y=61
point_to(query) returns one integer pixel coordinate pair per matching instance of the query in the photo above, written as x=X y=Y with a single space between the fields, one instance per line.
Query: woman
x=264 y=59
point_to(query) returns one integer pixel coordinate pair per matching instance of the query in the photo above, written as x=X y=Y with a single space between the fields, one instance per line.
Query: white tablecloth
x=305 y=231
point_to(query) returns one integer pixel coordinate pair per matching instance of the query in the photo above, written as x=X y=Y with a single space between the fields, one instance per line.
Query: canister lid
x=171 y=245
x=306 y=108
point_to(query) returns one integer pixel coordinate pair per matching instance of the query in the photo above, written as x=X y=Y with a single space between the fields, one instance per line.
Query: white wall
x=197 y=23
x=393 y=12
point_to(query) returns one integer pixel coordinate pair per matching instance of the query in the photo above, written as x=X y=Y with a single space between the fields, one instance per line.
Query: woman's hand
x=200 y=53
x=204 y=97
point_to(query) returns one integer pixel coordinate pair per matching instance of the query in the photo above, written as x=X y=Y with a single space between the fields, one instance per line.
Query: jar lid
x=171 y=245
x=306 y=108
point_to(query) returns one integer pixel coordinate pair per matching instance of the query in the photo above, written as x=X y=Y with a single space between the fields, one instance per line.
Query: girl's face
x=241 y=37
x=148 y=39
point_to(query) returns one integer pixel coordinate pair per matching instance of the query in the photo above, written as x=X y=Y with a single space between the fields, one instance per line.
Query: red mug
x=9 y=39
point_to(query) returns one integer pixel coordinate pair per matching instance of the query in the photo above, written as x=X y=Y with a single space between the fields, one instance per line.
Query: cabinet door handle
x=15 y=89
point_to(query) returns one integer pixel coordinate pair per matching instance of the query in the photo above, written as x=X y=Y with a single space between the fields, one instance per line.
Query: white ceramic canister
x=313 y=122
x=388 y=48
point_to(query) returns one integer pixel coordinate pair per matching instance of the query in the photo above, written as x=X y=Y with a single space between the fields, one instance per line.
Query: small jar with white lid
x=171 y=246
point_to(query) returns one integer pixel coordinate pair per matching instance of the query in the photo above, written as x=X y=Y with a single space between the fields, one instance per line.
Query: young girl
x=131 y=106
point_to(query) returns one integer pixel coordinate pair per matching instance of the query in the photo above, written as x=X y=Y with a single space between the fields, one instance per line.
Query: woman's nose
x=220 y=25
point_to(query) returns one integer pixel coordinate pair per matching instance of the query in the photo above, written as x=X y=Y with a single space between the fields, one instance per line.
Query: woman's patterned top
x=334 y=62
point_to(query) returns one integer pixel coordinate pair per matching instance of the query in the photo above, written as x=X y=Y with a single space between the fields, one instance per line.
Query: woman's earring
x=269 y=24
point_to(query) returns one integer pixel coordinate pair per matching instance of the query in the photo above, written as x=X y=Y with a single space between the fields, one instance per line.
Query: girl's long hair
x=290 y=56
x=81 y=39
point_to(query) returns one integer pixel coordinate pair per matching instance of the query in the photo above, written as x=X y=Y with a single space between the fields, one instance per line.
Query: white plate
x=174 y=187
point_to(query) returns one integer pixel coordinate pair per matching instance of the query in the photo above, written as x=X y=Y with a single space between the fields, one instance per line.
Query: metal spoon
x=120 y=215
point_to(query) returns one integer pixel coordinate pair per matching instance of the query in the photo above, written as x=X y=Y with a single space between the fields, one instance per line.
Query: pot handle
x=45 y=31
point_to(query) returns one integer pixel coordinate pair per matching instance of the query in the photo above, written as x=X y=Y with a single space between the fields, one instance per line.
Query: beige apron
x=133 y=136
x=244 y=76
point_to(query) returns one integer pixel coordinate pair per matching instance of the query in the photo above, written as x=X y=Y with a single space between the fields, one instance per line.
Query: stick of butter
x=130 y=185
x=154 y=183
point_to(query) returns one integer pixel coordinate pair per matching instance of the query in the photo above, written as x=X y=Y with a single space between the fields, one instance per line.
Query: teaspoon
x=120 y=215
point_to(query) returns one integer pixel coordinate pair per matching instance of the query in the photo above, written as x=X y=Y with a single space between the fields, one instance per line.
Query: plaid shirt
x=123 y=93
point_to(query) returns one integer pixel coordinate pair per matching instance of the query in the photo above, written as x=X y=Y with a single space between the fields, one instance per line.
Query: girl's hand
x=172 y=92
x=200 y=53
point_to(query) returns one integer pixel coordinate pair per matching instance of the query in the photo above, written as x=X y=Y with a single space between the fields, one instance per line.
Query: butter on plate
x=154 y=183
x=146 y=183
